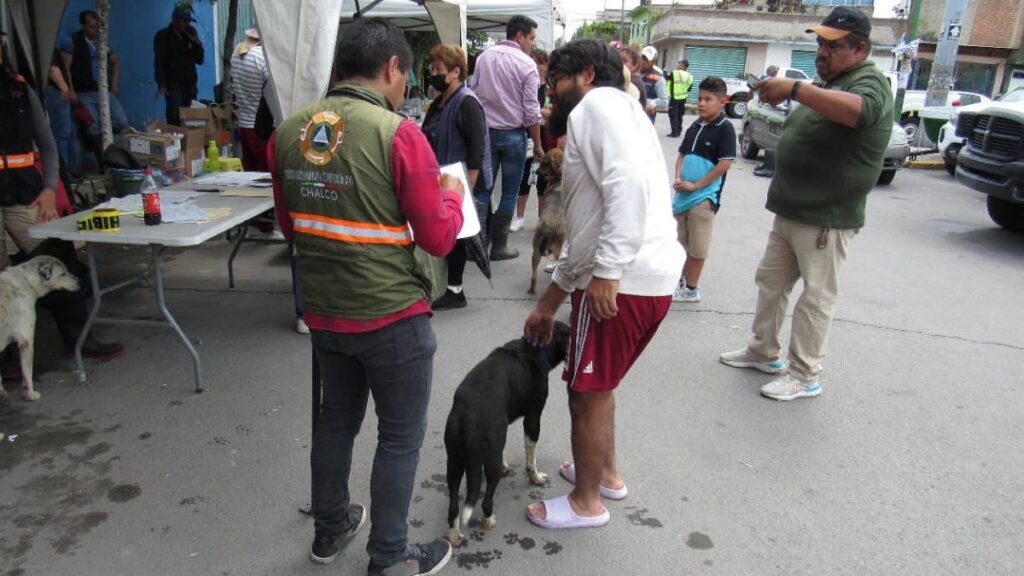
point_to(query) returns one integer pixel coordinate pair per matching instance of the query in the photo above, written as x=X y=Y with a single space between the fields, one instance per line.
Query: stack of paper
x=133 y=202
x=176 y=207
x=184 y=213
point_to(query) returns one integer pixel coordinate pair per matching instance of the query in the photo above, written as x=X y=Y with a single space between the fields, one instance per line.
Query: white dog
x=20 y=287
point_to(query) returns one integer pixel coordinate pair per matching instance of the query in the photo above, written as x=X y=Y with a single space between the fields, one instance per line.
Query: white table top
x=134 y=230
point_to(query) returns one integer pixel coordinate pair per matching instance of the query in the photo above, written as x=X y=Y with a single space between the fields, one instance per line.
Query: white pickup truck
x=738 y=93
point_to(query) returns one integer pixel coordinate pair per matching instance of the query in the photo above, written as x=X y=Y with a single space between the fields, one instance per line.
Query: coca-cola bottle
x=150 y=200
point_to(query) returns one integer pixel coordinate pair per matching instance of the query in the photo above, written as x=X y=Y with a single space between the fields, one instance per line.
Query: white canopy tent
x=38 y=20
x=480 y=15
x=300 y=36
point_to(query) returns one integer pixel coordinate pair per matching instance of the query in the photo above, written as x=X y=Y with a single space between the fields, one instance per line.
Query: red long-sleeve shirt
x=435 y=216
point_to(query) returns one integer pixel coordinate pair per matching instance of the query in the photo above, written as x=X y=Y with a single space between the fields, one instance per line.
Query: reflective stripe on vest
x=682 y=81
x=17 y=160
x=350 y=231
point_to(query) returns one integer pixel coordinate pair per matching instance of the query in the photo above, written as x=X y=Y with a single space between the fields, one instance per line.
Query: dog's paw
x=455 y=538
x=30 y=395
x=489 y=522
x=539 y=478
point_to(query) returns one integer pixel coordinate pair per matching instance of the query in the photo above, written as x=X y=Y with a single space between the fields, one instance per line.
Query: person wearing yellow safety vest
x=353 y=182
x=679 y=84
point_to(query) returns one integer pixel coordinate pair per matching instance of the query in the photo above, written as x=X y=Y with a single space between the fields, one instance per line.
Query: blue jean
x=508 y=152
x=395 y=364
x=118 y=119
x=63 y=128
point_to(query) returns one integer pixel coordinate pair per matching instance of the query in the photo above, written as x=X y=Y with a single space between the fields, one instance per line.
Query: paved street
x=910 y=463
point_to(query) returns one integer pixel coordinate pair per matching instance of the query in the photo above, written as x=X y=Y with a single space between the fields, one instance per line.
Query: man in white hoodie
x=620 y=265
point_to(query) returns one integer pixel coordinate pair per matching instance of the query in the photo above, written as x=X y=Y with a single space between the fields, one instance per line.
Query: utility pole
x=915 y=17
x=941 y=79
x=622 y=23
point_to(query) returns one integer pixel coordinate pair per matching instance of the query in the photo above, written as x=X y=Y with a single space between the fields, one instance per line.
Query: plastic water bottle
x=213 y=156
x=150 y=200
x=532 y=180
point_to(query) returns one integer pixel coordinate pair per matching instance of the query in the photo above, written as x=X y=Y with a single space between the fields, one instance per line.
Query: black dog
x=511 y=383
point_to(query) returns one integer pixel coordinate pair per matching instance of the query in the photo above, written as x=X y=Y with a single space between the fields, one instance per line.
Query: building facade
x=990 y=59
x=743 y=39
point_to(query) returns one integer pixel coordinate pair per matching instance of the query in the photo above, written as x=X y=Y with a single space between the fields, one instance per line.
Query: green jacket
x=824 y=170
x=355 y=251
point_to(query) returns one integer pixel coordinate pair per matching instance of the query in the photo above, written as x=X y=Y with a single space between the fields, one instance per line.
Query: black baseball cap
x=843 y=21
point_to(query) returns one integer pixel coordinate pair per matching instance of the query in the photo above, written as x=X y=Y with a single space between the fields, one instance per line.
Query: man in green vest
x=353 y=183
x=679 y=84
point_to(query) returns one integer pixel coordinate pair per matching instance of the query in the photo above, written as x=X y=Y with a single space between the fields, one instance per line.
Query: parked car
x=913 y=101
x=738 y=93
x=949 y=143
x=763 y=126
x=992 y=160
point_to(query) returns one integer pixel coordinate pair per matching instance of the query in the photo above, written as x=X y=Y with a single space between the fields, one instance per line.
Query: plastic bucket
x=127 y=182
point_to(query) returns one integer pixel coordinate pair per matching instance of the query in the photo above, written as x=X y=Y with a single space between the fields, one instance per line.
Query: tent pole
x=43 y=72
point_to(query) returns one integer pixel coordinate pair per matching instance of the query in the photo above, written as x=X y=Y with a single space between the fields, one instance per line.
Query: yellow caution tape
x=101 y=220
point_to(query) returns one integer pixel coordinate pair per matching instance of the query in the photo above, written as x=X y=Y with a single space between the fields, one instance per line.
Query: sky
x=580 y=11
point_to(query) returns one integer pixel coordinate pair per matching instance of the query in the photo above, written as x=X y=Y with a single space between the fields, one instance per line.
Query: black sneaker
x=326 y=547
x=450 y=301
x=420 y=560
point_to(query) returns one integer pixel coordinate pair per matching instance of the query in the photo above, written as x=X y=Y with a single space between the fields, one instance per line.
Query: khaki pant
x=694 y=228
x=798 y=251
x=14 y=224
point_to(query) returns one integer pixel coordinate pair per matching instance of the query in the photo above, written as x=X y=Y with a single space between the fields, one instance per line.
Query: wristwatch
x=795 y=89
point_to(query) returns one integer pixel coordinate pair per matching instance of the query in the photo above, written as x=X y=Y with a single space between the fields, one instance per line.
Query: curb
x=926 y=164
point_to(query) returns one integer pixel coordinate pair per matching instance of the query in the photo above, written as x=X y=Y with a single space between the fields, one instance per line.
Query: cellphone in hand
x=752 y=81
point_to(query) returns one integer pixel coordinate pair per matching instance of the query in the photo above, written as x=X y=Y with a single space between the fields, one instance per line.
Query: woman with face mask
x=456 y=128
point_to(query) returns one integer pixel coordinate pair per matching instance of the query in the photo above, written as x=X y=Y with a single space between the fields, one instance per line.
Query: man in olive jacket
x=353 y=181
x=827 y=161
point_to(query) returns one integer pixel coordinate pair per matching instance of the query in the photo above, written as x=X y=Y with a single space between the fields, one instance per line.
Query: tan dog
x=550 y=233
x=20 y=287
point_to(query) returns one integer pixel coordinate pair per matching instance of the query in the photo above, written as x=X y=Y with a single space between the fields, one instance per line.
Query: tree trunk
x=229 y=49
x=103 y=9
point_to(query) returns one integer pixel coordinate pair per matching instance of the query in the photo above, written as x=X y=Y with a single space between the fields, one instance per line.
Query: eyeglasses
x=554 y=78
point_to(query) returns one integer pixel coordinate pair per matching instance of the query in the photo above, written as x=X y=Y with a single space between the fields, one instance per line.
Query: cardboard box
x=193 y=163
x=193 y=142
x=222 y=117
x=216 y=121
x=152 y=149
x=195 y=117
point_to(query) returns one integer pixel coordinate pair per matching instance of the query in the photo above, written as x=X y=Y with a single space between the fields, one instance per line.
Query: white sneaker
x=517 y=224
x=300 y=326
x=744 y=358
x=684 y=294
x=789 y=388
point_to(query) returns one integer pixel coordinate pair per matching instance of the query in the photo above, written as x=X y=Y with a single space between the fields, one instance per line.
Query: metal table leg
x=157 y=251
x=97 y=297
x=234 y=251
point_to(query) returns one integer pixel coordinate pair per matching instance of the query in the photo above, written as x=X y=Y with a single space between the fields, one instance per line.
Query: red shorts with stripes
x=600 y=353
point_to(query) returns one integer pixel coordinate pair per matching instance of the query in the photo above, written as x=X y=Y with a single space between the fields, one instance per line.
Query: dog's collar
x=541 y=349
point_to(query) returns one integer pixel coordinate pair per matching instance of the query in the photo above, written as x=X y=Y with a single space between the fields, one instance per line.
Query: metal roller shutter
x=721 y=61
x=803 y=60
